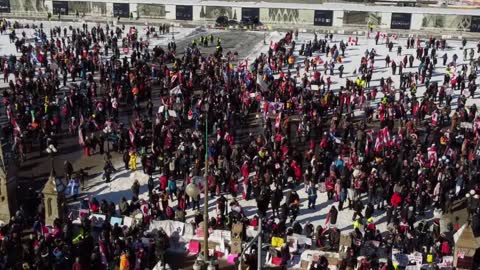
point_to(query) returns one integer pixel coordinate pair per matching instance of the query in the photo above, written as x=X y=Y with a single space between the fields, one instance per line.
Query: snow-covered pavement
x=123 y=180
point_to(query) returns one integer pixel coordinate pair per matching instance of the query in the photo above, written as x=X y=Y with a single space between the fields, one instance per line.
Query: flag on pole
x=15 y=125
x=131 y=134
x=387 y=139
x=435 y=118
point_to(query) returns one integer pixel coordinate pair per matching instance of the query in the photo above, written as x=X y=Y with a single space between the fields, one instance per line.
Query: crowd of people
x=372 y=147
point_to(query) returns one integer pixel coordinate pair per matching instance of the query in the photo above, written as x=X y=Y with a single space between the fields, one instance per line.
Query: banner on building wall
x=60 y=7
x=121 y=10
x=250 y=14
x=323 y=18
x=475 y=25
x=184 y=13
x=401 y=21
x=5 y=6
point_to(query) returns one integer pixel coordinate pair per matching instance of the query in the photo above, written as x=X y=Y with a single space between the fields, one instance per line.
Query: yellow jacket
x=124 y=264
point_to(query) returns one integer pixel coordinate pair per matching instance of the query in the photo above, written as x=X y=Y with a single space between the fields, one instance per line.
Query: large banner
x=60 y=7
x=251 y=13
x=152 y=10
x=401 y=21
x=475 y=25
x=5 y=6
x=184 y=13
x=323 y=18
x=121 y=10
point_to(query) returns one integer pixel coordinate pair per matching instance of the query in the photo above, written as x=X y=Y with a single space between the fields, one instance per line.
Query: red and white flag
x=278 y=120
x=174 y=78
x=379 y=142
x=434 y=118
x=387 y=139
x=432 y=153
x=15 y=125
x=273 y=45
x=131 y=134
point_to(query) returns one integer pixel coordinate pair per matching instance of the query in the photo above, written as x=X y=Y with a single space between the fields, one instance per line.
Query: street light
x=51 y=150
x=205 y=210
x=108 y=130
x=193 y=191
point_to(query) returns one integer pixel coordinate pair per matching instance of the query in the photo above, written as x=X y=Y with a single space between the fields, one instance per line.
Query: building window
x=49 y=206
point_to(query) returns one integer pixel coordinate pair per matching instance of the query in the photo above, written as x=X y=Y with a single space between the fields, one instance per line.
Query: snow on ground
x=123 y=180
x=7 y=48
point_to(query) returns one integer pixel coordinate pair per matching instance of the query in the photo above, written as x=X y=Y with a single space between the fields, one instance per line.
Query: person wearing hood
x=332 y=215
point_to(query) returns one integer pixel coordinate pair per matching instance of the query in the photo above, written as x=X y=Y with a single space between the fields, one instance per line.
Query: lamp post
x=193 y=191
x=108 y=131
x=205 y=210
x=51 y=150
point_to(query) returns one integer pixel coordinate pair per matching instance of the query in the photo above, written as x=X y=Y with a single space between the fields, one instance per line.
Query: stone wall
x=274 y=13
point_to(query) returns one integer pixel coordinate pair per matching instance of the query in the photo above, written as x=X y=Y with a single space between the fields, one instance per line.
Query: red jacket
x=396 y=199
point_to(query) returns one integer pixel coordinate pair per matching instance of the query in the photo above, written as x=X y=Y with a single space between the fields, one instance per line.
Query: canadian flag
x=379 y=142
x=432 y=153
x=145 y=210
x=278 y=120
x=131 y=135
x=174 y=77
x=273 y=45
x=318 y=60
x=434 y=118
x=46 y=230
x=15 y=125
x=387 y=139
x=449 y=152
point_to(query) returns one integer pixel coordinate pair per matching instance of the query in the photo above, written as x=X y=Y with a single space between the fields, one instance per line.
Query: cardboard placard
x=117 y=220
x=277 y=242
x=128 y=221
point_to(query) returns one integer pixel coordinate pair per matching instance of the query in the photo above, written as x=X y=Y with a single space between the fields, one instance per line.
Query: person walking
x=133 y=161
x=312 y=196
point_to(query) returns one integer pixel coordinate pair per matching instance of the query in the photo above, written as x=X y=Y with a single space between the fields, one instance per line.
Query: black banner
x=401 y=21
x=184 y=13
x=121 y=10
x=475 y=25
x=60 y=7
x=5 y=6
x=323 y=18
x=250 y=14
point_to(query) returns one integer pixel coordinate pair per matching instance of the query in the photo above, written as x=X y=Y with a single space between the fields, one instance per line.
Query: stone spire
x=8 y=189
x=53 y=199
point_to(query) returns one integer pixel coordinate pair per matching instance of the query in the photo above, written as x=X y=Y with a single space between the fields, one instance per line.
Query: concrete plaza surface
x=249 y=45
x=123 y=180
